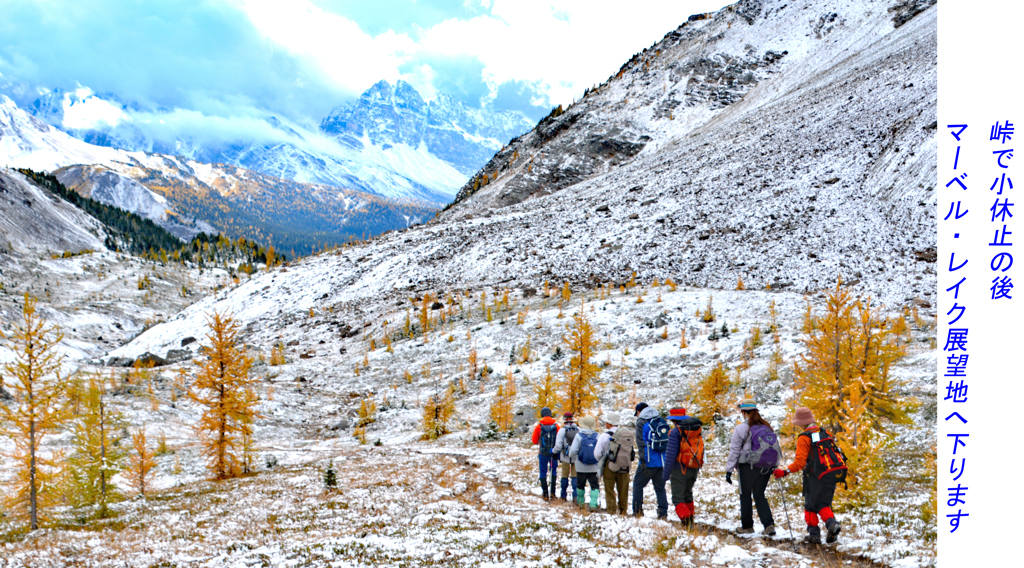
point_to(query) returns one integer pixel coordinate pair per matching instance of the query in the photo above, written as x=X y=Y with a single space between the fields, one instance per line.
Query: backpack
x=586 y=453
x=620 y=450
x=570 y=435
x=825 y=460
x=691 y=444
x=547 y=438
x=765 y=450
x=659 y=434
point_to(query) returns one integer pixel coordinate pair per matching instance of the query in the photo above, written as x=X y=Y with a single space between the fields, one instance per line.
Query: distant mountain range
x=389 y=141
x=187 y=197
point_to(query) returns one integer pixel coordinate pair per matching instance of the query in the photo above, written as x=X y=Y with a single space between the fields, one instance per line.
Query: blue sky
x=300 y=58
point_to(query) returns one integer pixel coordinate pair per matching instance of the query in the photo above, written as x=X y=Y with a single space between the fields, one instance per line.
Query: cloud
x=232 y=64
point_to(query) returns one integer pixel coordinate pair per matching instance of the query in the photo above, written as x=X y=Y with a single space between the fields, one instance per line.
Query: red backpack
x=825 y=460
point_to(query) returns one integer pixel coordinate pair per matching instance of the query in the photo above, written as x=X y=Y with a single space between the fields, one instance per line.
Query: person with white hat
x=617 y=445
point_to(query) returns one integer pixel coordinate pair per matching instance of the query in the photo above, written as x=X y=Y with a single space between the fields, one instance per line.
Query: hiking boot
x=812 y=539
x=544 y=488
x=833 y=527
x=745 y=530
x=769 y=530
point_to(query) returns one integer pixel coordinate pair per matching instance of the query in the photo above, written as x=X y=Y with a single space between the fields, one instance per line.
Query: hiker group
x=671 y=449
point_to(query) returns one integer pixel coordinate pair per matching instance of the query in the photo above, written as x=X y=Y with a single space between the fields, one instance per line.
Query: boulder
x=175 y=355
x=148 y=359
x=343 y=424
x=187 y=341
x=119 y=362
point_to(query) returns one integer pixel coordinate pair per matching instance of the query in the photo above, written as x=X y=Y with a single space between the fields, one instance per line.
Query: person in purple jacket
x=753 y=481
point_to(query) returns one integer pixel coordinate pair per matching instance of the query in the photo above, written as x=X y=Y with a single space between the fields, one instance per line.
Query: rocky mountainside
x=35 y=221
x=787 y=143
x=389 y=141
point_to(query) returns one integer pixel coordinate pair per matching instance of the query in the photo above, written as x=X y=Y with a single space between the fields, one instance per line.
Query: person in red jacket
x=818 y=493
x=544 y=435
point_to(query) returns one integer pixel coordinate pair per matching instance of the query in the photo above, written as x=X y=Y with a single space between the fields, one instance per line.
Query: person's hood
x=586 y=431
x=648 y=413
x=547 y=420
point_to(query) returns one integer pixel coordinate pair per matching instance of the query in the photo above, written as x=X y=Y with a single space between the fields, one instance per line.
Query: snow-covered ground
x=396 y=503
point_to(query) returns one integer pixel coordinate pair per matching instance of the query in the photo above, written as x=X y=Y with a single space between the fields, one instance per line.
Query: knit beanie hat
x=640 y=407
x=545 y=412
x=567 y=417
x=803 y=416
x=588 y=422
x=676 y=413
x=747 y=404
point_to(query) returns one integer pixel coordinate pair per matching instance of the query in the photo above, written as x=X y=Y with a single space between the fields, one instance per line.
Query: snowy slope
x=803 y=206
x=786 y=143
x=27 y=142
x=36 y=221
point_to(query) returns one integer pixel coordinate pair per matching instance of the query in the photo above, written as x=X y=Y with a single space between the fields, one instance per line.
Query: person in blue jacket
x=651 y=462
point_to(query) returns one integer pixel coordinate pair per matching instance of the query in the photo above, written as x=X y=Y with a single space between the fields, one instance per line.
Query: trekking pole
x=785 y=507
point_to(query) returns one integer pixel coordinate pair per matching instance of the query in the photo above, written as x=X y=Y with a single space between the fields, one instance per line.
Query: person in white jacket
x=753 y=481
x=566 y=434
x=588 y=462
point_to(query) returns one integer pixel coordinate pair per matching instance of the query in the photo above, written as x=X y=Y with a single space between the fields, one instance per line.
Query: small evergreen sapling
x=330 y=478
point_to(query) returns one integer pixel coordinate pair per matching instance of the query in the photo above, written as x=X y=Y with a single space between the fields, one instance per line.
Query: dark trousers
x=546 y=462
x=582 y=479
x=682 y=484
x=753 y=483
x=643 y=475
x=818 y=496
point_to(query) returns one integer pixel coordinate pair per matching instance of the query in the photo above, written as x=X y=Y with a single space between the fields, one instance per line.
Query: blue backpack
x=659 y=434
x=587 y=444
x=548 y=432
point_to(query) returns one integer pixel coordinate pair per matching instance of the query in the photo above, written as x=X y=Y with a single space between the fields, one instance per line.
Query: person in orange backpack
x=824 y=466
x=683 y=460
x=544 y=436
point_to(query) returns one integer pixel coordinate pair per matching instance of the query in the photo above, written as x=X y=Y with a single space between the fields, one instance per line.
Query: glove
x=779 y=473
x=728 y=477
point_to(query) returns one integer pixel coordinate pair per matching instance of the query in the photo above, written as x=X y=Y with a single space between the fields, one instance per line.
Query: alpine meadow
x=427 y=333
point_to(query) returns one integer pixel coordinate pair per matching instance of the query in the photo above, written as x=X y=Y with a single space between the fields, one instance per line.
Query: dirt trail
x=823 y=554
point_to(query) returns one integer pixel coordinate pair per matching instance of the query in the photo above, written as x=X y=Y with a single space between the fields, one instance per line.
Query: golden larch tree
x=844 y=379
x=223 y=386
x=579 y=380
x=96 y=456
x=140 y=463
x=437 y=413
x=546 y=391
x=38 y=386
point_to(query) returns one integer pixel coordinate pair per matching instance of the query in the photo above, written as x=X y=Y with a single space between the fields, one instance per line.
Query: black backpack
x=825 y=460
x=570 y=435
x=548 y=432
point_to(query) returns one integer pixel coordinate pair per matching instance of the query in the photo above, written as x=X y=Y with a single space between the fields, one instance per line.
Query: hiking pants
x=817 y=502
x=682 y=491
x=753 y=482
x=583 y=478
x=682 y=484
x=643 y=475
x=548 y=461
x=568 y=474
x=615 y=482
